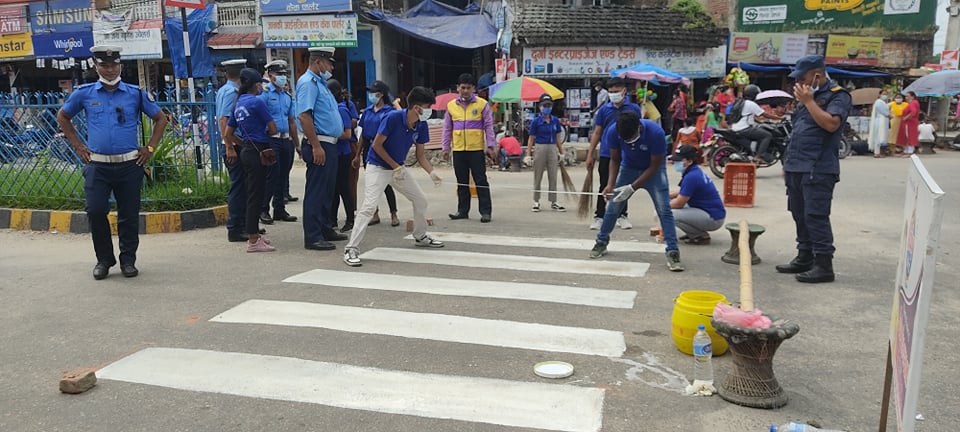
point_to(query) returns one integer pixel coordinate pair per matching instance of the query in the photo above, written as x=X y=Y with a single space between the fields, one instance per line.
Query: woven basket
x=751 y=382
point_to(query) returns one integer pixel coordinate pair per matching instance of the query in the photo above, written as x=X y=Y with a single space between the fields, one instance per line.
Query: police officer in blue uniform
x=321 y=125
x=280 y=105
x=227 y=97
x=113 y=157
x=812 y=167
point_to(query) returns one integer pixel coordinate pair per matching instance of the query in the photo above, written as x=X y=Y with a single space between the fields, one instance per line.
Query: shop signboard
x=767 y=48
x=16 y=46
x=135 y=44
x=61 y=16
x=285 y=7
x=788 y=15
x=11 y=20
x=506 y=69
x=113 y=20
x=599 y=61
x=62 y=45
x=852 y=50
x=950 y=59
x=305 y=31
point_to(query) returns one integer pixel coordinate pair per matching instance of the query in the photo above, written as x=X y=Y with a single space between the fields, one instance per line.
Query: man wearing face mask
x=468 y=132
x=114 y=161
x=812 y=168
x=320 y=124
x=607 y=114
x=697 y=207
x=281 y=109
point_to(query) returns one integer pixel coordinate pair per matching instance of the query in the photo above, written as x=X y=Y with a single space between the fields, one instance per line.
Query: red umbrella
x=443 y=100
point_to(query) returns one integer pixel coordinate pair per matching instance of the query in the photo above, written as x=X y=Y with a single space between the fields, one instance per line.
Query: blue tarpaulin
x=197 y=22
x=750 y=67
x=855 y=74
x=443 y=25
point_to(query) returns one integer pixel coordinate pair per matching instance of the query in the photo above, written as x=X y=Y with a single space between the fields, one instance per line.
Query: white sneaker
x=557 y=207
x=597 y=223
x=427 y=241
x=624 y=223
x=351 y=257
x=536 y=207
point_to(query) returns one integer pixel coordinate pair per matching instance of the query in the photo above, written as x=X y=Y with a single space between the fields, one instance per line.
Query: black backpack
x=736 y=111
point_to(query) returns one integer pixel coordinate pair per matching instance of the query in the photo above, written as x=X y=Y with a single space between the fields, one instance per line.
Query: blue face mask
x=281 y=80
x=678 y=166
x=546 y=110
x=326 y=75
x=372 y=98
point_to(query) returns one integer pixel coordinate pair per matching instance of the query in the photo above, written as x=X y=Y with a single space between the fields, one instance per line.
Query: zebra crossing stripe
x=541 y=242
x=621 y=299
x=483 y=400
x=509 y=262
x=447 y=328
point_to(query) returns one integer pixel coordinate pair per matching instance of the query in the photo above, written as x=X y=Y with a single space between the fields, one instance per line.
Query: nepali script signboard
x=919 y=244
x=305 y=31
x=789 y=15
x=572 y=61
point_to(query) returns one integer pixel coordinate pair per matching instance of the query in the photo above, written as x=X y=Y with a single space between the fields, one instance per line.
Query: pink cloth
x=730 y=315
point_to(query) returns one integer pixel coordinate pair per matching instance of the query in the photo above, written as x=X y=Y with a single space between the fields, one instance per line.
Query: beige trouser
x=375 y=180
x=545 y=157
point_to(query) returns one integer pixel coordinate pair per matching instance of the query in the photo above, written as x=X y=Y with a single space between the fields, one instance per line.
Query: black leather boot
x=800 y=264
x=822 y=270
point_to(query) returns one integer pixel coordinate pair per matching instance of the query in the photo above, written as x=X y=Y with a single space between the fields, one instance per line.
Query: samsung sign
x=61 y=16
x=62 y=45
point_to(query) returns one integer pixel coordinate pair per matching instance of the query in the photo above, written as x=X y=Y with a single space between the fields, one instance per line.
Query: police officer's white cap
x=325 y=52
x=106 y=53
x=277 y=66
x=237 y=63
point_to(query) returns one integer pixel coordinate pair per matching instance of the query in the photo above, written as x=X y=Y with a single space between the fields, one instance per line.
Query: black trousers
x=256 y=181
x=391 y=196
x=809 y=197
x=124 y=181
x=343 y=192
x=603 y=170
x=465 y=164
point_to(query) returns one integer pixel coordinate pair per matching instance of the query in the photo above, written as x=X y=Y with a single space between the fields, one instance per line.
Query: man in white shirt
x=602 y=95
x=747 y=125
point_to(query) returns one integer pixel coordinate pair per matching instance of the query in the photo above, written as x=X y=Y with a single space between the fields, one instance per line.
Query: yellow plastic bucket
x=691 y=309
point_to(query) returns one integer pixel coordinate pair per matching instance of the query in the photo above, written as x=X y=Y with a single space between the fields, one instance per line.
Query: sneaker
x=351 y=257
x=427 y=241
x=624 y=223
x=598 y=250
x=557 y=207
x=673 y=261
x=536 y=207
x=597 y=223
x=260 y=246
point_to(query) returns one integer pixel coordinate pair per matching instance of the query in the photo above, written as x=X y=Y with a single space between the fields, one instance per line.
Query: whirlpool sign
x=62 y=45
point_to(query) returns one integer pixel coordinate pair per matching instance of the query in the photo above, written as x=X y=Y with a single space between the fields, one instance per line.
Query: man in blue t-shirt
x=398 y=131
x=637 y=150
x=697 y=206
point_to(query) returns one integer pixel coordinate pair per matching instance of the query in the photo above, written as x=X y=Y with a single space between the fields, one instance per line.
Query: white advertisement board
x=137 y=44
x=305 y=31
x=599 y=61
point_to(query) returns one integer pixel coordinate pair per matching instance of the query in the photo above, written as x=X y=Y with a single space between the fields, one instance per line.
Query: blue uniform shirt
x=106 y=134
x=227 y=97
x=813 y=149
x=251 y=117
x=637 y=155
x=279 y=105
x=399 y=138
x=370 y=122
x=354 y=115
x=701 y=192
x=608 y=114
x=343 y=145
x=543 y=132
x=313 y=95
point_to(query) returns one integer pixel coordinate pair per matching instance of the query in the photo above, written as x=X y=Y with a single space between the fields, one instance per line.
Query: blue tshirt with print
x=399 y=137
x=637 y=155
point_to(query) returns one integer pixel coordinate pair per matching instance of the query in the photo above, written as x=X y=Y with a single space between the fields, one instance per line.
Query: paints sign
x=852 y=50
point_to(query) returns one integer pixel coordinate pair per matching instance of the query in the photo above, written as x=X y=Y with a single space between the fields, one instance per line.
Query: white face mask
x=616 y=97
x=425 y=114
x=113 y=82
x=281 y=80
x=326 y=75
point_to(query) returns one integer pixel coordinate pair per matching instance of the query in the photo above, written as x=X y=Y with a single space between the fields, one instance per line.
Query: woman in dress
x=880 y=125
x=896 y=115
x=909 y=135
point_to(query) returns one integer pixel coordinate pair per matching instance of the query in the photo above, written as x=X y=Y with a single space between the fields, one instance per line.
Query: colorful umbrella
x=443 y=100
x=649 y=72
x=523 y=89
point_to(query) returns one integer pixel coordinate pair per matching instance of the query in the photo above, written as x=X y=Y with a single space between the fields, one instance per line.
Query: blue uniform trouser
x=659 y=191
x=809 y=197
x=237 y=196
x=278 y=175
x=124 y=180
x=318 y=194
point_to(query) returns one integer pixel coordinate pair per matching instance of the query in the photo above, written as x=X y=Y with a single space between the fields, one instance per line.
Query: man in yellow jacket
x=468 y=133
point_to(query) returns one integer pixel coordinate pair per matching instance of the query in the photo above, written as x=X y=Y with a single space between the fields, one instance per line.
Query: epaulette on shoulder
x=837 y=88
x=86 y=85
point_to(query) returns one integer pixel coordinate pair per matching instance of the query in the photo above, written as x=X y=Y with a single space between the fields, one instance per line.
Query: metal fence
x=38 y=169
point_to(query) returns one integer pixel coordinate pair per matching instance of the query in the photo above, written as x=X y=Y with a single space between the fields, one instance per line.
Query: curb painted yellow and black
x=76 y=222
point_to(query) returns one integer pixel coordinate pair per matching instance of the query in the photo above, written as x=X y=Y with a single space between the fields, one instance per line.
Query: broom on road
x=586 y=200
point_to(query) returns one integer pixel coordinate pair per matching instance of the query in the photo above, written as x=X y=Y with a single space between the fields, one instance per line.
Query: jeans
x=124 y=180
x=603 y=171
x=465 y=164
x=375 y=180
x=278 y=176
x=318 y=194
x=659 y=191
x=695 y=222
x=809 y=197
x=256 y=180
x=237 y=196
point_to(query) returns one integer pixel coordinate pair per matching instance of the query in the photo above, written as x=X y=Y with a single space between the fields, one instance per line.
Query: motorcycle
x=728 y=146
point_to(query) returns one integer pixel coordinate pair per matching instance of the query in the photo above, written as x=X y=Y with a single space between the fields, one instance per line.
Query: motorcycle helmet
x=751 y=91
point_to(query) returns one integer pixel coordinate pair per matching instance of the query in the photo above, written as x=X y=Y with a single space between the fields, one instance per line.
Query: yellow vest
x=468 y=134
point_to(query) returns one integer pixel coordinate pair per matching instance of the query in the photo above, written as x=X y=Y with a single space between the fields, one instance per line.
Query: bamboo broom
x=586 y=200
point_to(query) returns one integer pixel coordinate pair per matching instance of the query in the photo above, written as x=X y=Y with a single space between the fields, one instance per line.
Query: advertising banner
x=767 y=48
x=114 y=20
x=506 y=69
x=919 y=244
x=788 y=15
x=304 y=31
x=11 y=20
x=16 y=46
x=136 y=44
x=852 y=50
x=285 y=7
x=62 y=45
x=950 y=59
x=61 y=16
x=599 y=61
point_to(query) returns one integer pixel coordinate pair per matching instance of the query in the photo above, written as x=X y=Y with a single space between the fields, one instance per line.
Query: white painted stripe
x=622 y=299
x=483 y=400
x=447 y=328
x=543 y=242
x=509 y=262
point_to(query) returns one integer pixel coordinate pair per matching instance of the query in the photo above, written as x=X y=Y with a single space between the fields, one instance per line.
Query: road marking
x=541 y=242
x=509 y=262
x=447 y=328
x=622 y=299
x=484 y=400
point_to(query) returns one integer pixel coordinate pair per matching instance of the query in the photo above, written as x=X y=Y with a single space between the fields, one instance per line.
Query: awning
x=855 y=74
x=442 y=25
x=235 y=40
x=750 y=67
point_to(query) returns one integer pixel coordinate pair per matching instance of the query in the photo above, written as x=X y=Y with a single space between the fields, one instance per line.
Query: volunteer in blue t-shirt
x=252 y=118
x=546 y=134
x=637 y=151
x=697 y=206
x=378 y=106
x=345 y=144
x=398 y=131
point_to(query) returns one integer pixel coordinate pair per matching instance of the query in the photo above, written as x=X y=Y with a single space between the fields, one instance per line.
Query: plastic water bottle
x=702 y=353
x=798 y=427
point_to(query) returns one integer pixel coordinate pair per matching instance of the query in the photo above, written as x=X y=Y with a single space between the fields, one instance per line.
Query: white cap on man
x=323 y=52
x=106 y=53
